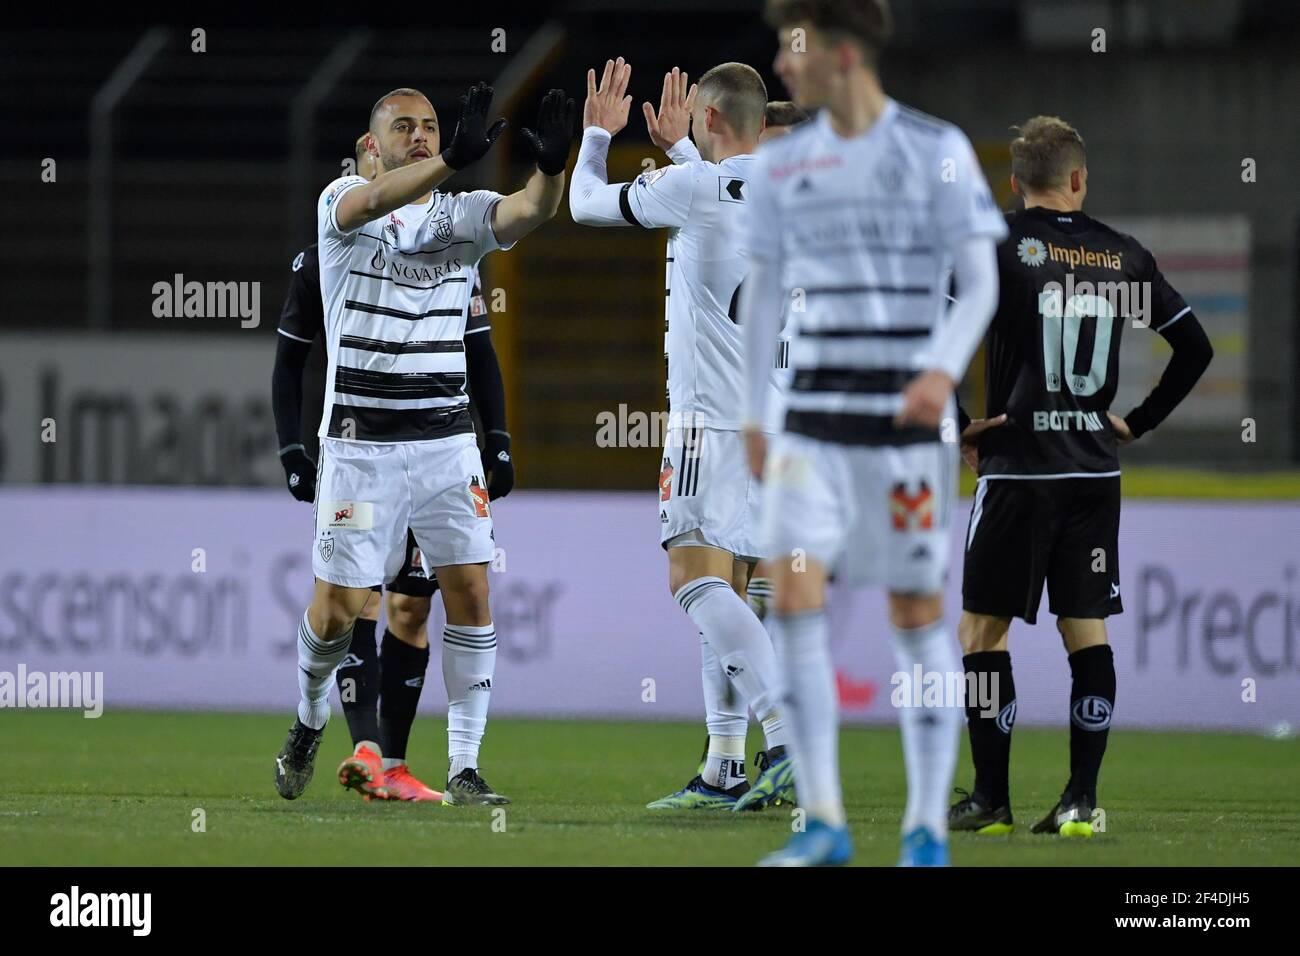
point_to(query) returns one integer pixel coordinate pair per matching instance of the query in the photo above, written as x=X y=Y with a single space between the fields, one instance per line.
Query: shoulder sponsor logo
x=650 y=178
x=341 y=185
x=731 y=189
x=1032 y=252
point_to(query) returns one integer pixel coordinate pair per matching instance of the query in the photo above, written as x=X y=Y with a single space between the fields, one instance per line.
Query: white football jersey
x=864 y=229
x=396 y=293
x=705 y=206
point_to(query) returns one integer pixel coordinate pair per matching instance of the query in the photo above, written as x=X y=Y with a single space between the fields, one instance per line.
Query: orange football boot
x=364 y=773
x=403 y=785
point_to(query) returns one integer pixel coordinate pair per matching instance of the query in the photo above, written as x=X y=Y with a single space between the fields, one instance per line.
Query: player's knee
x=794 y=595
x=467 y=602
x=982 y=632
x=408 y=617
x=910 y=611
x=331 y=620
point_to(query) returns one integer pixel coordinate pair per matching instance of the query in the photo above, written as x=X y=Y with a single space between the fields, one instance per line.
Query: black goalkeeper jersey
x=1069 y=285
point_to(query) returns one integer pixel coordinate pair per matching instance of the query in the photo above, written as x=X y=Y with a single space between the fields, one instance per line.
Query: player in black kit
x=1047 y=502
x=381 y=701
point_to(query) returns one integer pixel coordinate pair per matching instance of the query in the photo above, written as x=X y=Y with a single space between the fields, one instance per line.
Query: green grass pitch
x=123 y=789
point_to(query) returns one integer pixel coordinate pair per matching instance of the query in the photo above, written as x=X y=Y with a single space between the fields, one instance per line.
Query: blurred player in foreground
x=380 y=694
x=1047 y=504
x=708 y=502
x=779 y=119
x=856 y=219
x=397 y=439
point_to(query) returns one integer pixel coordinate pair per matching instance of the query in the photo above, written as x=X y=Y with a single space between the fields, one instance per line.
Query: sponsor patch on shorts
x=478 y=496
x=352 y=515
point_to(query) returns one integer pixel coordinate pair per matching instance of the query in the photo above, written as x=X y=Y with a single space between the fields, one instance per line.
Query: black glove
x=550 y=144
x=299 y=473
x=472 y=138
x=497 y=466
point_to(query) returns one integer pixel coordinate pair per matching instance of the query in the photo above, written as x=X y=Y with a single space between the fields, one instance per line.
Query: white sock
x=726 y=713
x=469 y=657
x=317 y=662
x=812 y=712
x=742 y=645
x=930 y=734
x=724 y=767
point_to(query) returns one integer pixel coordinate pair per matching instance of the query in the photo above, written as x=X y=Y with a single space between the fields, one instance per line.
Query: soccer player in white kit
x=857 y=218
x=397 y=441
x=708 y=503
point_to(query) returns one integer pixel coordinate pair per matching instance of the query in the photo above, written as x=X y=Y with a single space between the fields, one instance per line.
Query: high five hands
x=676 y=104
x=607 y=105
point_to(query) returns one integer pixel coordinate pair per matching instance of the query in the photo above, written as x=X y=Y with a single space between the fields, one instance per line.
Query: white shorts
x=367 y=495
x=706 y=492
x=871 y=515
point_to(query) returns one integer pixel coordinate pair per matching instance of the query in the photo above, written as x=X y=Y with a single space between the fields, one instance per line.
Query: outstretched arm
x=660 y=198
x=397 y=187
x=521 y=212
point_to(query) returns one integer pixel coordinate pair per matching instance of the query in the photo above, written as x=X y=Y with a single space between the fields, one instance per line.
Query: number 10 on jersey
x=1062 y=320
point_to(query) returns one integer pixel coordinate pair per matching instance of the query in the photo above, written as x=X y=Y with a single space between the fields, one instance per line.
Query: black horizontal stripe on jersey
x=400 y=348
x=433 y=252
x=850 y=428
x=399 y=424
x=398 y=385
x=902 y=332
x=858 y=381
x=625 y=206
x=407 y=285
x=868 y=290
x=373 y=309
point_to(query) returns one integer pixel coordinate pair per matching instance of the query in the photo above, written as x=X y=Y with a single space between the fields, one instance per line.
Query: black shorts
x=414 y=579
x=1025 y=531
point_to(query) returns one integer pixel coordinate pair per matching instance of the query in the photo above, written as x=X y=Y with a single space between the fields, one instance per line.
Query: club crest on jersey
x=478 y=495
x=1032 y=252
x=326 y=547
x=477 y=305
x=440 y=228
x=908 y=511
x=377 y=261
x=666 y=480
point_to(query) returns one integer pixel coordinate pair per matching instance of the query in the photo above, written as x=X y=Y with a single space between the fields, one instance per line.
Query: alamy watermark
x=70 y=690
x=921 y=688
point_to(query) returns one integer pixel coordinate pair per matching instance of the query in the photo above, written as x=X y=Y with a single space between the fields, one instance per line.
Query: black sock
x=990 y=736
x=403 y=679
x=1092 y=699
x=358 y=684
